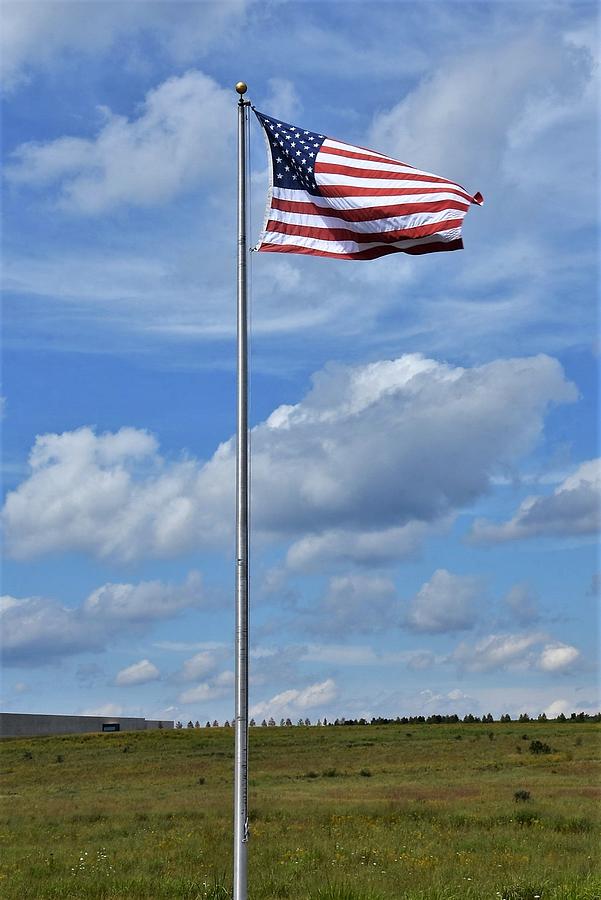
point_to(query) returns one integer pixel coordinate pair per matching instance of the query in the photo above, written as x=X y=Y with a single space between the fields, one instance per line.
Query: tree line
x=453 y=719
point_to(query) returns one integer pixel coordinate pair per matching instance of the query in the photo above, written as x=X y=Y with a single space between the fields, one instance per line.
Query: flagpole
x=241 y=741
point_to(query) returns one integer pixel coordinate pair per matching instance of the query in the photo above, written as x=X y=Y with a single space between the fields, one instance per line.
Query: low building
x=32 y=725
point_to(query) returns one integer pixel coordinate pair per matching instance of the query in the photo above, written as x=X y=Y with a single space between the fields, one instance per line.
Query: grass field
x=337 y=813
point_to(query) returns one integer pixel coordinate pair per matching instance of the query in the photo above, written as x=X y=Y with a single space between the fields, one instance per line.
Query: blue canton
x=293 y=154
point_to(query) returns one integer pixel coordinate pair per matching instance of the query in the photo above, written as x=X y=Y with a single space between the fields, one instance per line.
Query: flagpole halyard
x=240 y=891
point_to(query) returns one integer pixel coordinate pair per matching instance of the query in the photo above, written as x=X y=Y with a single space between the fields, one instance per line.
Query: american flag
x=328 y=198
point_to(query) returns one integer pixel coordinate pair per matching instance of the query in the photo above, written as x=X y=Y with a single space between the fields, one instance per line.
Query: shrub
x=330 y=773
x=538 y=747
x=201 y=780
x=60 y=758
x=521 y=796
x=365 y=773
x=311 y=774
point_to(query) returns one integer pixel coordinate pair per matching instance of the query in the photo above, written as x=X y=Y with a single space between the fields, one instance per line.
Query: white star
x=279 y=159
x=298 y=153
x=311 y=155
x=287 y=168
x=294 y=177
x=293 y=144
x=280 y=175
x=304 y=160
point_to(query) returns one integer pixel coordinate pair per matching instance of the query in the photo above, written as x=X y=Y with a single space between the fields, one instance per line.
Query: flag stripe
x=415 y=250
x=365 y=213
x=345 y=234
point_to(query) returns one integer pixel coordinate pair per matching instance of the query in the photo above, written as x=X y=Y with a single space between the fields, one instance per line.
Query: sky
x=424 y=444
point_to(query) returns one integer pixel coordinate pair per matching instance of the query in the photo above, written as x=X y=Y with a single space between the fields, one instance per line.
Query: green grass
x=436 y=819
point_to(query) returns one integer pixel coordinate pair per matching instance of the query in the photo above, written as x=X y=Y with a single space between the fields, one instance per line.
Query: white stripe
x=375 y=226
x=338 y=145
x=365 y=202
x=273 y=237
x=378 y=166
x=325 y=178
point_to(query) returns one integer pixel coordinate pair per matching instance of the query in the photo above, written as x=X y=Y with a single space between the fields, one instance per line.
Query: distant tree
x=190 y=724
x=263 y=724
x=524 y=717
x=197 y=724
x=252 y=723
x=307 y=721
x=506 y=718
x=542 y=717
x=215 y=723
x=282 y=723
x=208 y=725
x=561 y=717
x=226 y=724
x=300 y=722
x=325 y=721
x=271 y=722
x=289 y=723
x=178 y=725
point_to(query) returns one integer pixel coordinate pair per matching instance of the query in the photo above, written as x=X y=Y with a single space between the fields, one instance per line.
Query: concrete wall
x=28 y=725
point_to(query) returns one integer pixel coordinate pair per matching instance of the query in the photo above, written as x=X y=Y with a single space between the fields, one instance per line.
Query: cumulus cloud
x=369 y=448
x=558 y=657
x=337 y=547
x=180 y=135
x=528 y=650
x=445 y=603
x=294 y=701
x=138 y=673
x=199 y=665
x=574 y=508
x=38 y=630
x=525 y=136
x=496 y=651
x=212 y=689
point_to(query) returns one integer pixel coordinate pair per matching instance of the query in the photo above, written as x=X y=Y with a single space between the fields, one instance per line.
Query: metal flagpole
x=241 y=747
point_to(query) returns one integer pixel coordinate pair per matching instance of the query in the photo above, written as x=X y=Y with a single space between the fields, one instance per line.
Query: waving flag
x=328 y=198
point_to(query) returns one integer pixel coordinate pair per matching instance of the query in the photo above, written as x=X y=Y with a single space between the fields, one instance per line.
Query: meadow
x=435 y=812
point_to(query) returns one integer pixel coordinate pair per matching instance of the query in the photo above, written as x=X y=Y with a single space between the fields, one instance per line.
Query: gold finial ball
x=241 y=87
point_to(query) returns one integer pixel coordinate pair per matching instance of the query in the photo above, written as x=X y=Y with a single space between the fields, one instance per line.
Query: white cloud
x=38 y=630
x=38 y=36
x=180 y=136
x=511 y=126
x=213 y=689
x=295 y=701
x=574 y=508
x=336 y=547
x=355 y=603
x=516 y=651
x=445 y=603
x=145 y=601
x=138 y=673
x=370 y=448
x=558 y=657
x=199 y=665
x=496 y=651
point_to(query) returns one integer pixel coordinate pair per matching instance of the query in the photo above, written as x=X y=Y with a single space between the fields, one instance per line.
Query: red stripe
x=352 y=154
x=344 y=190
x=367 y=213
x=374 y=253
x=322 y=168
x=345 y=234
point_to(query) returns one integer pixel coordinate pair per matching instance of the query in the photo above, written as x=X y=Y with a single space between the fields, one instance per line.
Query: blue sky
x=424 y=447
